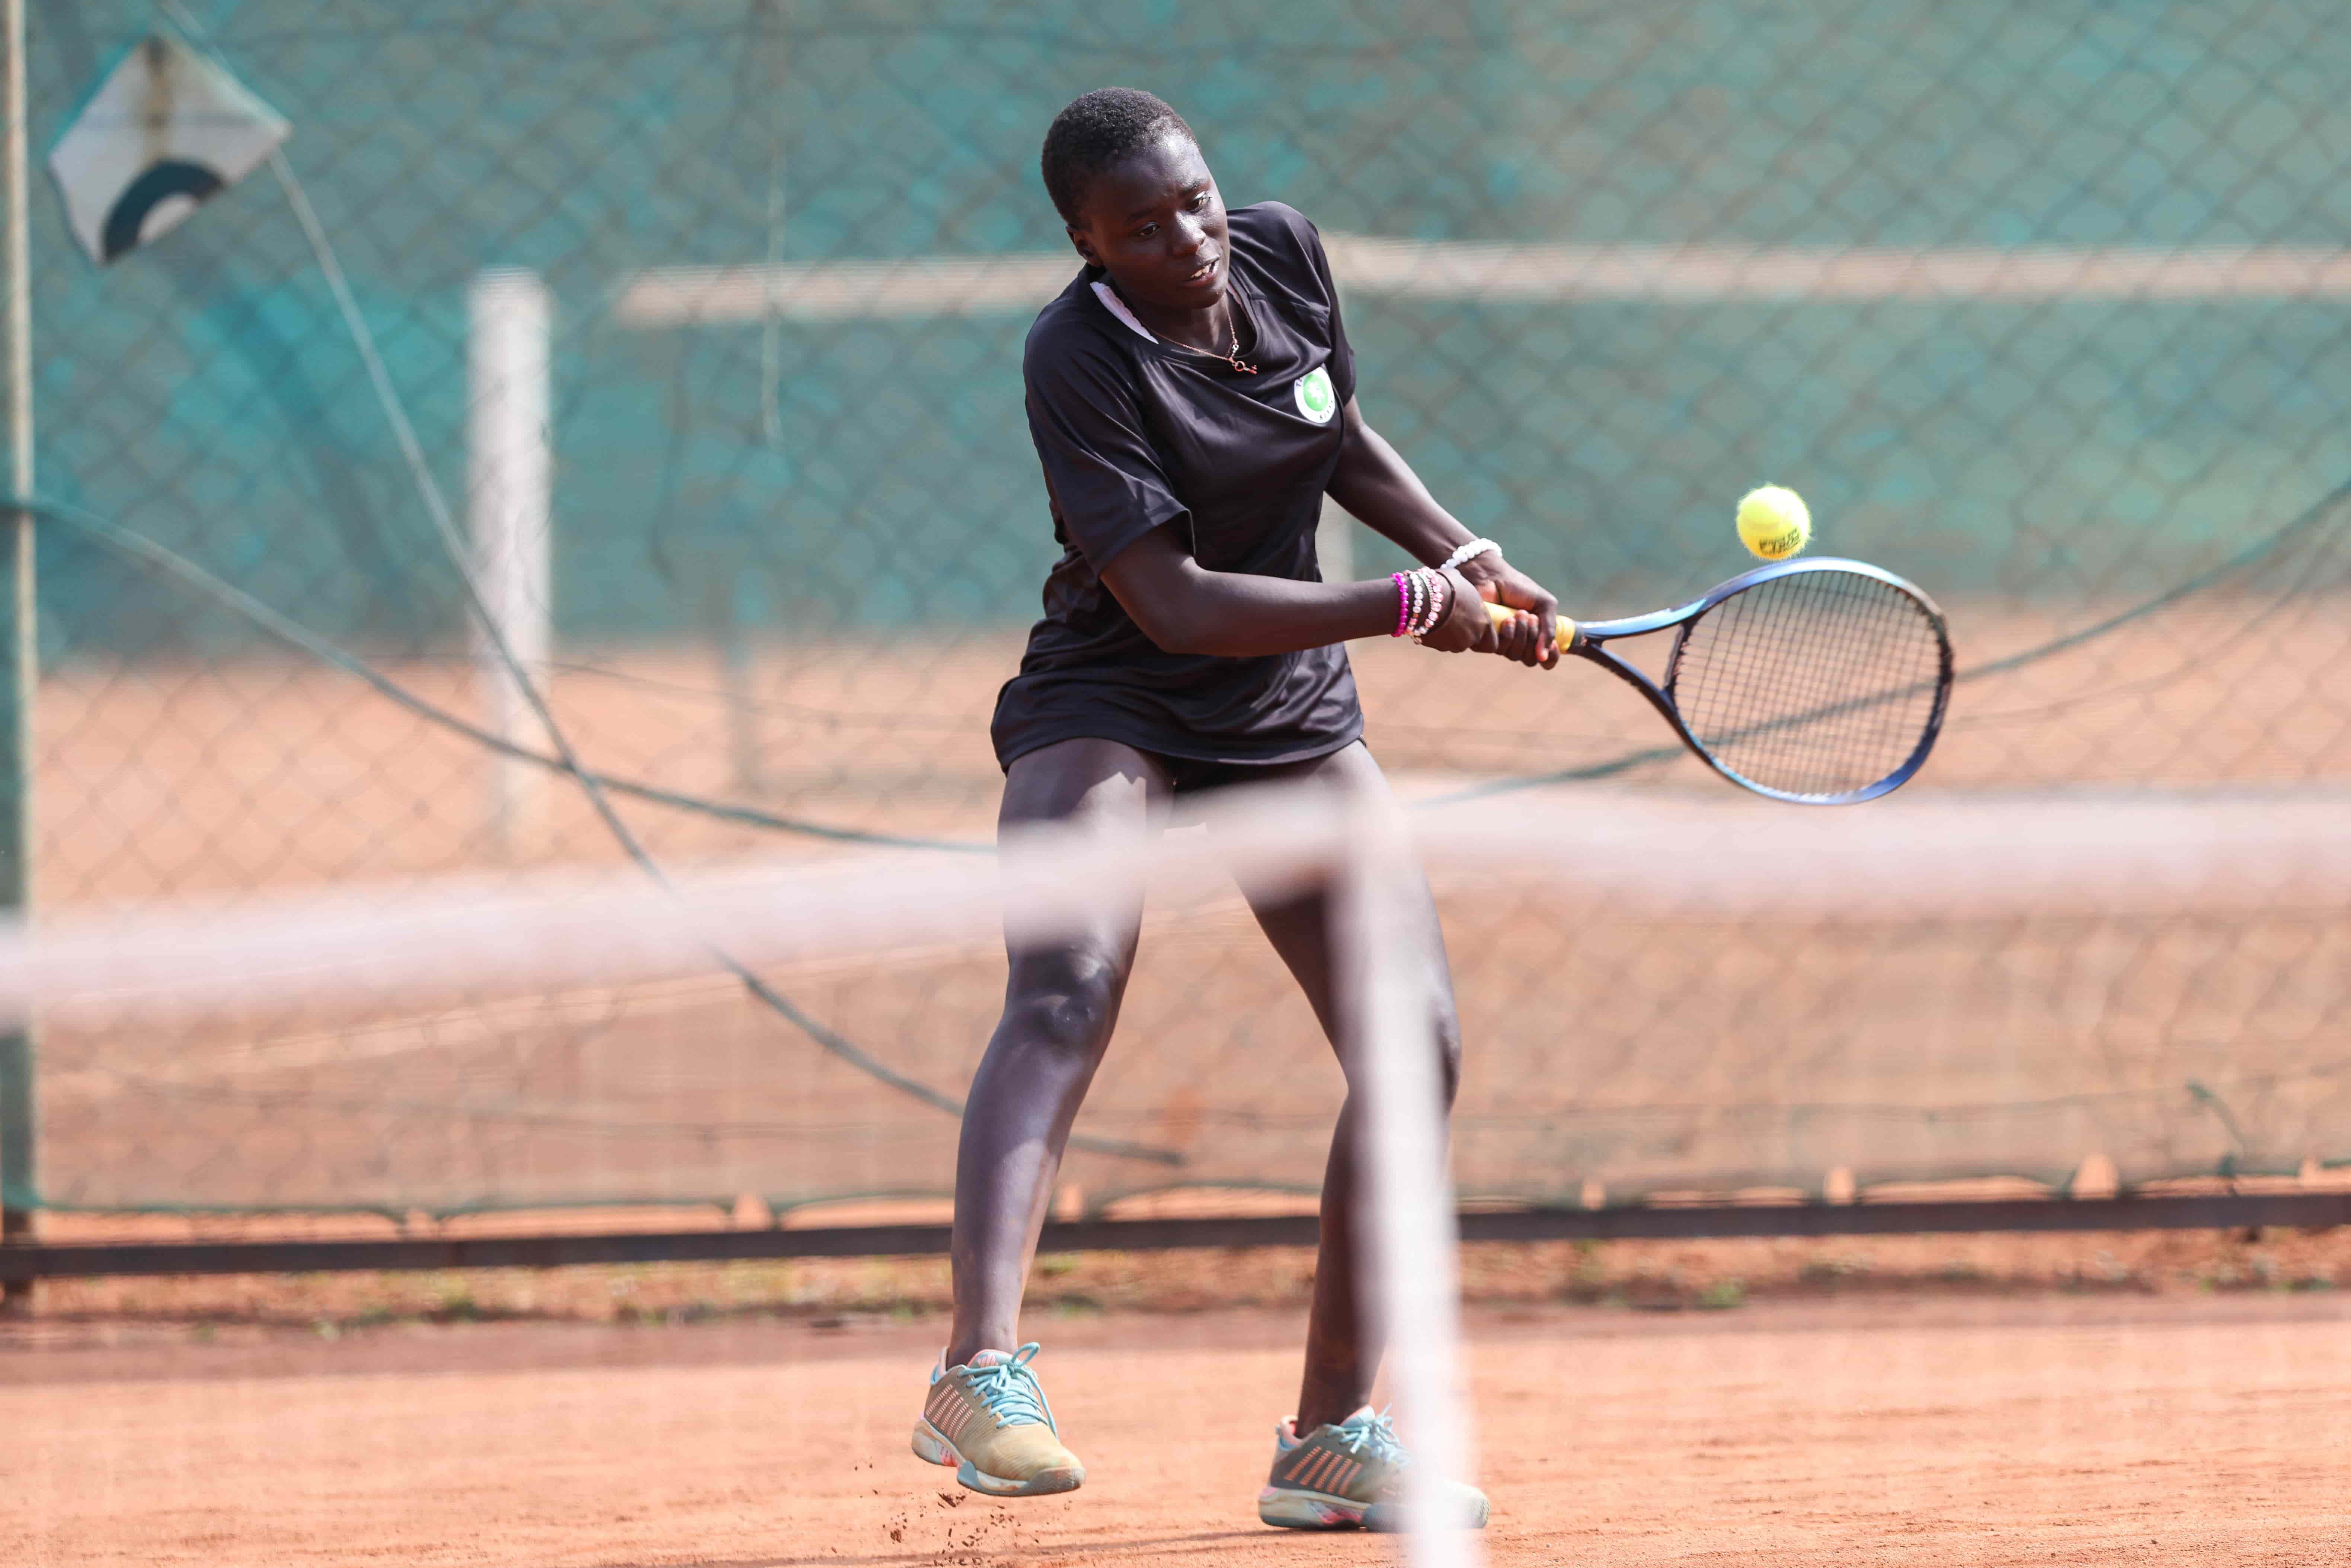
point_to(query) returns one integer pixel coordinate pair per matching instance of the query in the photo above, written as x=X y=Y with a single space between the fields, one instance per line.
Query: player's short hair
x=1093 y=133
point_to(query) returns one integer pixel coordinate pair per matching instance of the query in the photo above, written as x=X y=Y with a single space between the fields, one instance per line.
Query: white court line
x=1538 y=273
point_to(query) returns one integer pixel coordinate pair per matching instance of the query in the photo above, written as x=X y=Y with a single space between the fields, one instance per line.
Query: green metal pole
x=19 y=1170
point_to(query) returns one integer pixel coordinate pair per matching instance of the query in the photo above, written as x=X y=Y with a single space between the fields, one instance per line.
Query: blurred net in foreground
x=1759 y=999
x=2039 y=305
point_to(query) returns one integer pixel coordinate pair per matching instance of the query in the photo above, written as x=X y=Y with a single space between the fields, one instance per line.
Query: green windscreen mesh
x=2044 y=306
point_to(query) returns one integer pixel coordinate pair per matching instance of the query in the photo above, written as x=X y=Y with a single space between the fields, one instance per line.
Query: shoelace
x=1011 y=1392
x=1375 y=1431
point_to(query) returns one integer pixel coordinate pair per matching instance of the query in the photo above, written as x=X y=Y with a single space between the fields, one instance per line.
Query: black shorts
x=1194 y=774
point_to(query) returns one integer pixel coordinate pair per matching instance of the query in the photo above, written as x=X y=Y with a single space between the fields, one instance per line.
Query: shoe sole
x=1292 y=1507
x=1288 y=1508
x=1386 y=1519
x=932 y=1447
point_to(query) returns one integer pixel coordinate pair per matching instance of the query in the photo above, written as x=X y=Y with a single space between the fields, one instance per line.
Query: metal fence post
x=510 y=478
x=19 y=1171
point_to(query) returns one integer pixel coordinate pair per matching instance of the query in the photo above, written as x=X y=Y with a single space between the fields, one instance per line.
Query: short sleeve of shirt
x=1108 y=485
x=1318 y=284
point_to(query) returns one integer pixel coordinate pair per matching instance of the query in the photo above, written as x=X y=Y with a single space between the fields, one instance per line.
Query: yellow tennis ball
x=1774 y=522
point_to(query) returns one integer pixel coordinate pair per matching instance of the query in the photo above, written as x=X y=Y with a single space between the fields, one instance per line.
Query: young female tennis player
x=1192 y=396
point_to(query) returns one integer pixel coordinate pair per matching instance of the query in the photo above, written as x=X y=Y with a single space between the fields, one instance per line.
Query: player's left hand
x=1465 y=627
x=1530 y=637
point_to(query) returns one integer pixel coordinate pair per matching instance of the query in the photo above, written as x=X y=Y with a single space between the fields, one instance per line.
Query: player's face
x=1157 y=223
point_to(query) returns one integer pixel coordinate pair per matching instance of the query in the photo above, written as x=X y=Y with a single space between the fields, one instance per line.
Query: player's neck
x=1210 y=329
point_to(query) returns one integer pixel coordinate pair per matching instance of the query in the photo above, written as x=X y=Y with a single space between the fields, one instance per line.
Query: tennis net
x=1672 y=997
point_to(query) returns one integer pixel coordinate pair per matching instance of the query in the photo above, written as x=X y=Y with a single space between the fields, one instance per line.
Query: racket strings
x=1870 y=657
x=1817 y=683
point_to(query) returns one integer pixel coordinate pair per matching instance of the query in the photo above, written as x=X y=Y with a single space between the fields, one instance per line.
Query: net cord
x=1634 y=856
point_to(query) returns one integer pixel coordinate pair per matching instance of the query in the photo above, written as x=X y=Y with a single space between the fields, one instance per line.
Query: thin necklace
x=1120 y=308
x=1234 y=358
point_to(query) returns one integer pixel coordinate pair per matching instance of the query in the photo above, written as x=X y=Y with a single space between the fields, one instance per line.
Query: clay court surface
x=1912 y=1430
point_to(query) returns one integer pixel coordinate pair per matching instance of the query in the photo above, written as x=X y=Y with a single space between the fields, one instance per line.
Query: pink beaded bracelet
x=1404 y=605
x=1440 y=594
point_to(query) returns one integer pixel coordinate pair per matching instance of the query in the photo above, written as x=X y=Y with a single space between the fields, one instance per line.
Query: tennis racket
x=1822 y=682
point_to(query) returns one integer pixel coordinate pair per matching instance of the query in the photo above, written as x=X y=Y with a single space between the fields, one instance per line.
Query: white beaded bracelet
x=1469 y=551
x=1437 y=600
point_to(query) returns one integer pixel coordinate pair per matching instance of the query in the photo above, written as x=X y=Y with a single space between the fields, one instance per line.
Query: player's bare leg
x=1060 y=1004
x=1337 y=1466
x=986 y=1412
x=1340 y=1359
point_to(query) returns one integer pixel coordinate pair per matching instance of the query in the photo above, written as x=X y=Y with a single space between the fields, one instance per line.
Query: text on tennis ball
x=1774 y=522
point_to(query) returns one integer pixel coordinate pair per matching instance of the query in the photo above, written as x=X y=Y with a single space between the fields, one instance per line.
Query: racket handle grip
x=1501 y=614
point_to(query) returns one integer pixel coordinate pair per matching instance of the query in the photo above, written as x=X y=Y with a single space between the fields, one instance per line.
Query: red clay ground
x=1886 y=1430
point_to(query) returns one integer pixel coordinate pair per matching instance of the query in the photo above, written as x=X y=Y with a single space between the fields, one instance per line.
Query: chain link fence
x=2044 y=306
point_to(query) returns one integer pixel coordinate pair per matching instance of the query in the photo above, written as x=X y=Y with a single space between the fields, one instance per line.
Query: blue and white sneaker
x=989 y=1421
x=1347 y=1477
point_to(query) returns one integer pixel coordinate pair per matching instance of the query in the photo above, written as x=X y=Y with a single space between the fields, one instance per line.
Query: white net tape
x=1634 y=855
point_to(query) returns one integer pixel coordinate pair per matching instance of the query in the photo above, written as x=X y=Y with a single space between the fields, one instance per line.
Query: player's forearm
x=1375 y=484
x=1233 y=615
x=1186 y=609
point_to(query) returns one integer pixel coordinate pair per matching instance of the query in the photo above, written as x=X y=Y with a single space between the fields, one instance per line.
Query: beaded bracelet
x=1467 y=552
x=1419 y=604
x=1440 y=594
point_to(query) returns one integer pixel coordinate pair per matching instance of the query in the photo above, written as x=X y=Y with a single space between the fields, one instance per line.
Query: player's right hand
x=1527 y=637
x=1521 y=638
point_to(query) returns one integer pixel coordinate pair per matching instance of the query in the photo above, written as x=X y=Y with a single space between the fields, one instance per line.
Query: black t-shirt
x=1138 y=434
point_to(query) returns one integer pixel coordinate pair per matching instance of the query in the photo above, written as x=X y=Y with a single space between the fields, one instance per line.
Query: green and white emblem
x=1315 y=400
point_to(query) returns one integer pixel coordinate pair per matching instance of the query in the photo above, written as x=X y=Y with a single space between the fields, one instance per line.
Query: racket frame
x=1590 y=638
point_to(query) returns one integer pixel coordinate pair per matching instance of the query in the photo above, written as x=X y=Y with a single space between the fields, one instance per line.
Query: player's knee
x=1066 y=1006
x=1067 y=1021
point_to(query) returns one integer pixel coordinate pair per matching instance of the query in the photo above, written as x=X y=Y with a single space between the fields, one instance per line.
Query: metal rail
x=2205 y=1212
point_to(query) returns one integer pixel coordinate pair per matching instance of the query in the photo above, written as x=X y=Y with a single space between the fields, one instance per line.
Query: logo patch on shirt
x=1315 y=399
